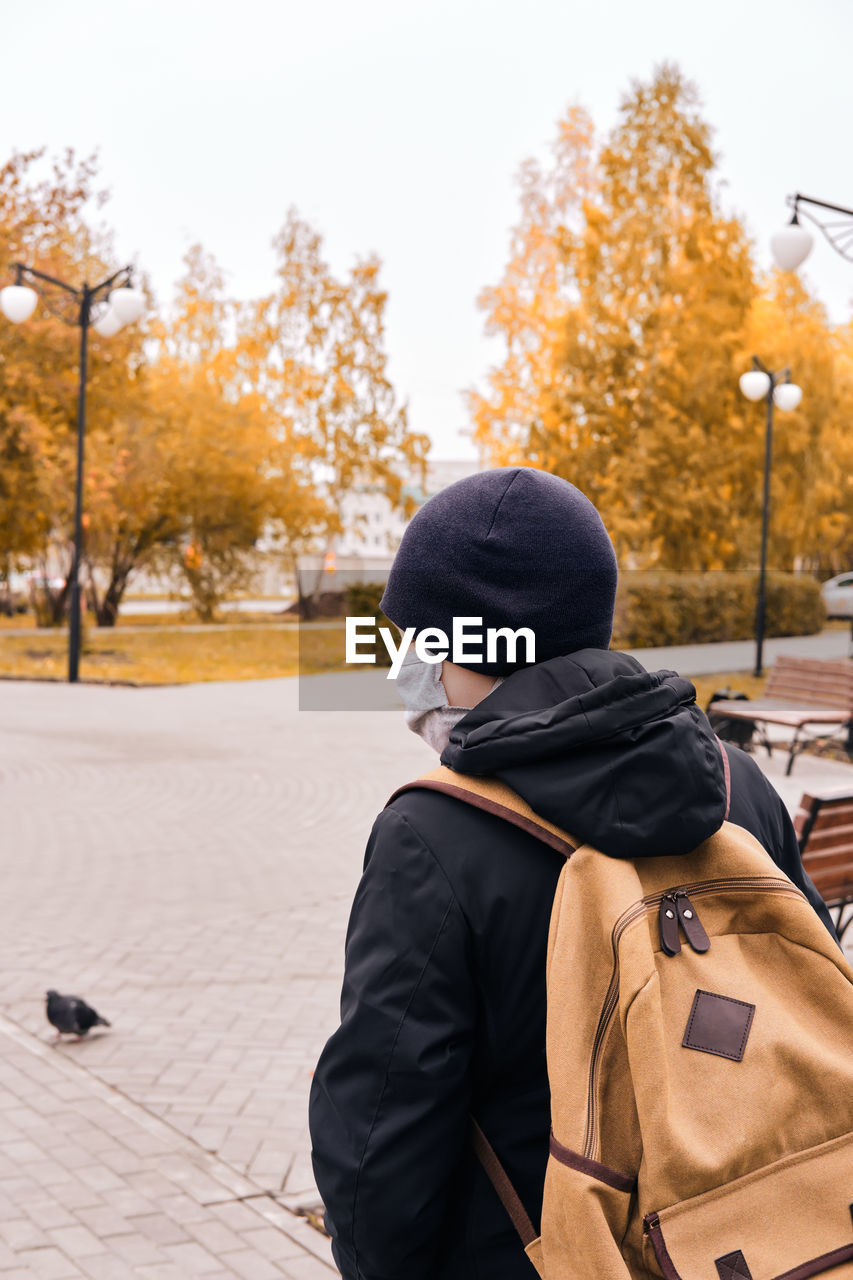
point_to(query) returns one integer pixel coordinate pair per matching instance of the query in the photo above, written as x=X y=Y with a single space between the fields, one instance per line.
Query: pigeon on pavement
x=72 y=1016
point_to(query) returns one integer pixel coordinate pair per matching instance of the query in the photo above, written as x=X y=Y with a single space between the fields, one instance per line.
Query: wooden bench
x=812 y=697
x=824 y=826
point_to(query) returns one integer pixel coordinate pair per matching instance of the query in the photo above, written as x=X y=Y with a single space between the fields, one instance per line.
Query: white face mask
x=428 y=713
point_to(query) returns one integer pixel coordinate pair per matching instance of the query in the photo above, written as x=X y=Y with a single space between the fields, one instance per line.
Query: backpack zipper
x=677 y=909
x=679 y=900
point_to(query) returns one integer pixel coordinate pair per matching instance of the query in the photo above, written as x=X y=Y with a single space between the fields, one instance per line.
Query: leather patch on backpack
x=733 y=1267
x=720 y=1025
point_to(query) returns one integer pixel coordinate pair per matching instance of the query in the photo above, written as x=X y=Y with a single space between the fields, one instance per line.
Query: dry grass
x=155 y=653
x=17 y=622
x=171 y=655
x=185 y=617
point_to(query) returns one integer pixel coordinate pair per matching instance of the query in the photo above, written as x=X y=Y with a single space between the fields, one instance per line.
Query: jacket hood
x=620 y=757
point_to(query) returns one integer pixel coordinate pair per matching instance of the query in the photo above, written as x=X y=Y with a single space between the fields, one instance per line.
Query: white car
x=838 y=596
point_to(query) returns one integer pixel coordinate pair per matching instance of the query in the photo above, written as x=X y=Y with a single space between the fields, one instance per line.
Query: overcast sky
x=398 y=126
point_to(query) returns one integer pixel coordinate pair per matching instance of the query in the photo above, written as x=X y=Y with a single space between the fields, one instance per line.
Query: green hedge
x=361 y=599
x=655 y=609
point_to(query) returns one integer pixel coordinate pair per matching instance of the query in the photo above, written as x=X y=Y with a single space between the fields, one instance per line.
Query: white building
x=365 y=549
x=373 y=528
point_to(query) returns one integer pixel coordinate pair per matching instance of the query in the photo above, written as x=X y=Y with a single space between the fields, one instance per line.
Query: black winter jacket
x=443 y=1004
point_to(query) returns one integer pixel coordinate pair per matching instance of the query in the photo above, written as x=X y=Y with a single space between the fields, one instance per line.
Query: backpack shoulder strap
x=493 y=797
x=507 y=1193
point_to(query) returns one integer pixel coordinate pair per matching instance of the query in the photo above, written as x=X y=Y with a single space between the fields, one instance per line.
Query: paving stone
x=22 y=1233
x=105 y=1222
x=120 y=1161
x=73 y=1193
x=49 y=1264
x=252 y=1266
x=20 y=1152
x=215 y=1236
x=127 y=1201
x=76 y=1157
x=309 y=1238
x=273 y=1244
x=150 y=1183
x=50 y=1213
x=107 y=1267
x=7 y=1257
x=158 y=1227
x=192 y=1259
x=184 y=1210
x=309 y=1269
x=136 y=1249
x=19 y=1191
x=239 y=1217
x=220 y=1274
x=160 y=1271
x=76 y=1241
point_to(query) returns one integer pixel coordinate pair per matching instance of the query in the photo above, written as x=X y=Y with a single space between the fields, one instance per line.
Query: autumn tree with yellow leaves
x=216 y=428
x=529 y=306
x=213 y=425
x=315 y=349
x=813 y=445
x=44 y=222
x=258 y=417
x=629 y=307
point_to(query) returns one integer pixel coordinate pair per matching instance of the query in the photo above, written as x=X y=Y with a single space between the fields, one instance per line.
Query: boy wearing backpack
x=443 y=1012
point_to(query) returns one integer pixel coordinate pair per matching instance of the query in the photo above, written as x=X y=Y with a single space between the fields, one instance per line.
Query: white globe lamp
x=791 y=245
x=128 y=304
x=107 y=323
x=18 y=302
x=787 y=395
x=755 y=384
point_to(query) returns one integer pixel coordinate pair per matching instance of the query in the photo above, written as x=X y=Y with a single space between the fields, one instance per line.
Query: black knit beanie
x=516 y=547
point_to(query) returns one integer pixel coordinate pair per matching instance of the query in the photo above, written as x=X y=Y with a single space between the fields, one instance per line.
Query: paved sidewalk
x=739 y=655
x=184 y=858
x=92 y=1185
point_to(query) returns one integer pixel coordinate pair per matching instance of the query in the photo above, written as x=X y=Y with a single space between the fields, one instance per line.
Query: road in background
x=739 y=655
x=139 y=608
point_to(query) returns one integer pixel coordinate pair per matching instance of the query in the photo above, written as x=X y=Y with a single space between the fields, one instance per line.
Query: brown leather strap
x=493 y=797
x=496 y=797
x=727 y=774
x=506 y=1191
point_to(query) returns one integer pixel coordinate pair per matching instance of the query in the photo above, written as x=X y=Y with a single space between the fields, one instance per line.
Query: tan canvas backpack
x=700 y=1060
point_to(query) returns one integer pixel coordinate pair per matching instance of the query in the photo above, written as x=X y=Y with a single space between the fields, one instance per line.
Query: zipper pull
x=694 y=930
x=669 y=939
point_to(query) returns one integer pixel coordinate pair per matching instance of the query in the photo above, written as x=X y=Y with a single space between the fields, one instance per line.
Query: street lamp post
x=125 y=304
x=777 y=389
